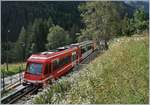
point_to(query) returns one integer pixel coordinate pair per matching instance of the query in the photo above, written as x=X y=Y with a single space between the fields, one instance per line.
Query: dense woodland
x=32 y=27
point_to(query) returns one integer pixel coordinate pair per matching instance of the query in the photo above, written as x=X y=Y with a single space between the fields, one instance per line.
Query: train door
x=73 y=58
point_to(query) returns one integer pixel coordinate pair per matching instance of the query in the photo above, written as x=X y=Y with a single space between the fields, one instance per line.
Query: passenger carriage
x=49 y=65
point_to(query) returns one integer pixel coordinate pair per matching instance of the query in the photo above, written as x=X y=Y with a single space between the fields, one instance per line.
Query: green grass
x=120 y=75
x=12 y=68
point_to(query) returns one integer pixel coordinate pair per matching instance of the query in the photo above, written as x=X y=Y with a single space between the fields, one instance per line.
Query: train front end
x=34 y=71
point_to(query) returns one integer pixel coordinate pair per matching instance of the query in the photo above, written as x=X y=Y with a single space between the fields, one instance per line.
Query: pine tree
x=21 y=45
x=29 y=39
x=49 y=22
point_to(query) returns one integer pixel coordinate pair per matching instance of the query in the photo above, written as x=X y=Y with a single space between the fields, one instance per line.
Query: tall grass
x=120 y=75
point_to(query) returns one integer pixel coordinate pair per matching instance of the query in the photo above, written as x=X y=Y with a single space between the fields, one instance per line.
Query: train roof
x=82 y=43
x=44 y=56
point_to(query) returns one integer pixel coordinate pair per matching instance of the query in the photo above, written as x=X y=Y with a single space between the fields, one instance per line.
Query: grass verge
x=120 y=75
x=12 y=68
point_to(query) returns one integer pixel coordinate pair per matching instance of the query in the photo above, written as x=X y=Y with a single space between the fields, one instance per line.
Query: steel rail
x=18 y=94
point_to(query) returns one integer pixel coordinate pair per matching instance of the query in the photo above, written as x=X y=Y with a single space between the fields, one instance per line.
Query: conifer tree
x=21 y=45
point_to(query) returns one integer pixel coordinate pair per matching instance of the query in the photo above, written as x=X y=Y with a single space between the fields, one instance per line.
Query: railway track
x=9 y=88
x=22 y=91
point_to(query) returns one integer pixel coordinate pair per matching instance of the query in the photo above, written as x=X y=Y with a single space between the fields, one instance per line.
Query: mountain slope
x=120 y=75
x=16 y=14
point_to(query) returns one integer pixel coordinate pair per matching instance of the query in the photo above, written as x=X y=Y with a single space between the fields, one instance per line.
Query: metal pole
x=3 y=81
x=22 y=55
x=7 y=51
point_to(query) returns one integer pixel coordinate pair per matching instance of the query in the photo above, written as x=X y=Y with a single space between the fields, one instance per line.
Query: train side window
x=64 y=61
x=73 y=57
x=67 y=59
x=83 y=50
x=55 y=64
x=61 y=62
x=89 y=47
x=46 y=69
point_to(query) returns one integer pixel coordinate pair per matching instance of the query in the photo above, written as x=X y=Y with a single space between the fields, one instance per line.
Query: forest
x=33 y=27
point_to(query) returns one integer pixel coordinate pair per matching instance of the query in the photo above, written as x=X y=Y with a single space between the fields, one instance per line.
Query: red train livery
x=49 y=65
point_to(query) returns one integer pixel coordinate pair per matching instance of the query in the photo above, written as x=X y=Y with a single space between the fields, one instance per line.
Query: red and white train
x=49 y=65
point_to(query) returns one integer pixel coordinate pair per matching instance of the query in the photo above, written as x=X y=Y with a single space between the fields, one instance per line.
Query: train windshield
x=34 y=68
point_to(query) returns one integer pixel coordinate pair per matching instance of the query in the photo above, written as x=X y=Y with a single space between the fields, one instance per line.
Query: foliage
x=16 y=14
x=135 y=24
x=29 y=22
x=36 y=18
x=57 y=37
x=101 y=19
x=12 y=68
x=8 y=51
x=127 y=27
x=20 y=45
x=106 y=20
x=120 y=75
x=139 y=4
x=140 y=21
x=40 y=30
x=30 y=40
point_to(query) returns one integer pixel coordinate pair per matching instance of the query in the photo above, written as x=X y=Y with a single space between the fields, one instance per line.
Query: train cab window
x=34 y=68
x=46 y=71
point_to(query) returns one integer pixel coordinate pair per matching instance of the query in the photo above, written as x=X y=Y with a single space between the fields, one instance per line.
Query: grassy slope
x=120 y=75
x=12 y=68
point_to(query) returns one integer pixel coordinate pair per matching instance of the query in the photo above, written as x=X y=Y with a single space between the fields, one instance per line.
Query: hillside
x=119 y=75
x=16 y=14
x=27 y=25
x=139 y=4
